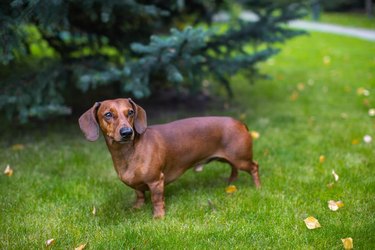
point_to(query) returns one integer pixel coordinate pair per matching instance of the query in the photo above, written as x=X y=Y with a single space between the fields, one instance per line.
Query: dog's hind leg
x=251 y=167
x=233 y=175
x=254 y=171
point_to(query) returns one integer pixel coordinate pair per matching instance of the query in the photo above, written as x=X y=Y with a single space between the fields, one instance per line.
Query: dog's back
x=195 y=141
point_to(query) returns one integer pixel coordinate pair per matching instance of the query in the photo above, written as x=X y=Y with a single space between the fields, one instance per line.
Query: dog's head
x=118 y=119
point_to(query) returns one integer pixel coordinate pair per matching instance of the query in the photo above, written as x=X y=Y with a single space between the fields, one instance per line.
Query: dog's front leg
x=140 y=200
x=157 y=196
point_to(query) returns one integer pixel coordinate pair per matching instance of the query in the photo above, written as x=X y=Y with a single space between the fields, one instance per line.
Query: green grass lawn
x=310 y=108
x=359 y=20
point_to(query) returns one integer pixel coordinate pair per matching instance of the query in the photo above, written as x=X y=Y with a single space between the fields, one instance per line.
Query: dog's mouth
x=126 y=139
x=121 y=140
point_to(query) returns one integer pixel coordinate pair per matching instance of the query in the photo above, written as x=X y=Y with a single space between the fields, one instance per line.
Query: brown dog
x=147 y=158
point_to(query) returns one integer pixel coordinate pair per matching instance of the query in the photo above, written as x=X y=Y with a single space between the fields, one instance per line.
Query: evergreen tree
x=53 y=48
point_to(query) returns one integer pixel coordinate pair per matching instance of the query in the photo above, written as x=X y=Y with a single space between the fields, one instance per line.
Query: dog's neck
x=121 y=153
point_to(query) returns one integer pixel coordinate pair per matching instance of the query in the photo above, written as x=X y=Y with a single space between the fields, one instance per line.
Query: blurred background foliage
x=57 y=56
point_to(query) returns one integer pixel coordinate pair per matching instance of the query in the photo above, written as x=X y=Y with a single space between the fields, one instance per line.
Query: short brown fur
x=149 y=157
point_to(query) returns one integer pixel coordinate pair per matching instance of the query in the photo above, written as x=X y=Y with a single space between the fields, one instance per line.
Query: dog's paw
x=159 y=214
x=138 y=204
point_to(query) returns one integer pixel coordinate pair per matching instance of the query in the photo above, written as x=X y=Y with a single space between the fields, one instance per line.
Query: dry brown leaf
x=80 y=247
x=254 y=134
x=322 y=158
x=348 y=243
x=335 y=175
x=231 y=189
x=50 y=242
x=8 y=171
x=311 y=223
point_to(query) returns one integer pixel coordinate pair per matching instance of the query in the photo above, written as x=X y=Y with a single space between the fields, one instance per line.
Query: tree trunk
x=369 y=8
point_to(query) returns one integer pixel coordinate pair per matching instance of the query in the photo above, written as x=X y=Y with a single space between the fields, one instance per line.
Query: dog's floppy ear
x=140 y=118
x=88 y=123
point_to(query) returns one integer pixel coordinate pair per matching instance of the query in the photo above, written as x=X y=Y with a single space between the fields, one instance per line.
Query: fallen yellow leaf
x=231 y=189
x=332 y=205
x=94 y=210
x=50 y=242
x=18 y=147
x=322 y=158
x=80 y=247
x=311 y=223
x=340 y=204
x=8 y=171
x=301 y=86
x=363 y=91
x=254 y=134
x=348 y=243
x=294 y=96
x=335 y=205
x=355 y=141
x=335 y=175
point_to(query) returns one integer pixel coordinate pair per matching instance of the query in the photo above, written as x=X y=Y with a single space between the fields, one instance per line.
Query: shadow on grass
x=186 y=191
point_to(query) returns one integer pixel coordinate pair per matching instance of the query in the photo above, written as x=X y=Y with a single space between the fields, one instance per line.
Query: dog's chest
x=131 y=175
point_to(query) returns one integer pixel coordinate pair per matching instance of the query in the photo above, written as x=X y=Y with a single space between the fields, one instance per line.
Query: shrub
x=53 y=49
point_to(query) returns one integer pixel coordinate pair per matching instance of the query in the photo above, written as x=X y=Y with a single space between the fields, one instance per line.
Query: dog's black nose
x=126 y=132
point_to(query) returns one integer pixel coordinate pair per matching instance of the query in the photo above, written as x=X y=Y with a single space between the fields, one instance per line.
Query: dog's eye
x=130 y=112
x=108 y=115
